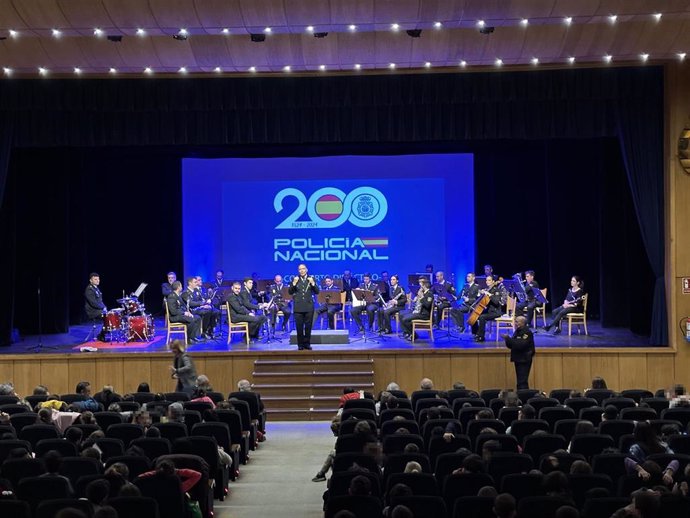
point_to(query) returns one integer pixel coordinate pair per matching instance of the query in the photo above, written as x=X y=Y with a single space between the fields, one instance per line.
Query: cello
x=480 y=305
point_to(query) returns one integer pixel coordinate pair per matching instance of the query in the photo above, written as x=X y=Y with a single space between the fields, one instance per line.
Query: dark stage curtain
x=6 y=258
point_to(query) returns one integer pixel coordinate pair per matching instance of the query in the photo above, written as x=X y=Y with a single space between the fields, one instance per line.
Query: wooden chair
x=424 y=325
x=173 y=327
x=339 y=316
x=286 y=323
x=237 y=327
x=578 y=318
x=506 y=321
x=540 y=310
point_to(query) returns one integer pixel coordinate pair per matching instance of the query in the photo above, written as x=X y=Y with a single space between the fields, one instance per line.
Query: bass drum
x=112 y=321
x=140 y=329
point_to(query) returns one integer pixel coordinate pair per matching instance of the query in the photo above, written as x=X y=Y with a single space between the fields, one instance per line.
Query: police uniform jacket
x=521 y=345
x=303 y=295
x=94 y=301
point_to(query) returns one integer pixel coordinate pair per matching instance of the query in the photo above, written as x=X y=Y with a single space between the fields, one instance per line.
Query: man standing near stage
x=303 y=289
x=521 y=346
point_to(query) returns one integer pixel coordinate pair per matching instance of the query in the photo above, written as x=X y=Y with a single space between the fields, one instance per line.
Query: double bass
x=480 y=305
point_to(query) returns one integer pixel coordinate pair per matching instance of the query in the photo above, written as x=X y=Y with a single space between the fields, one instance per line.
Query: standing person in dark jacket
x=303 y=289
x=183 y=369
x=94 y=306
x=521 y=346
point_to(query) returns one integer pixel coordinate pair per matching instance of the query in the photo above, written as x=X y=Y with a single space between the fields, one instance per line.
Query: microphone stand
x=39 y=346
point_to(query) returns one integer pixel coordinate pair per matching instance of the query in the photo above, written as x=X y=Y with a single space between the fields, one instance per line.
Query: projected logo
x=329 y=207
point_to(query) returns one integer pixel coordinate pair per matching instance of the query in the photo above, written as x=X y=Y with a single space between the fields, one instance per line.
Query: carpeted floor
x=277 y=480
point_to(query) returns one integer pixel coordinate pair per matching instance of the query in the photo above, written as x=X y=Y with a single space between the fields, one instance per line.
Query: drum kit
x=130 y=322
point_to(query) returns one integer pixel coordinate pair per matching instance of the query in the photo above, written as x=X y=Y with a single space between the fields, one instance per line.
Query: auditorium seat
x=135 y=506
x=488 y=394
x=396 y=443
x=166 y=491
x=396 y=462
x=360 y=506
x=419 y=483
x=50 y=508
x=390 y=413
x=590 y=444
x=561 y=394
x=75 y=467
x=600 y=394
x=581 y=483
x=35 y=490
x=439 y=446
x=507 y=443
x=348 y=427
x=553 y=414
x=62 y=446
x=344 y=461
x=522 y=428
x=540 y=506
x=126 y=432
x=537 y=445
x=522 y=485
x=678 y=414
x=592 y=414
x=153 y=447
x=578 y=403
x=136 y=465
x=566 y=428
x=616 y=428
x=390 y=427
x=611 y=464
x=505 y=463
x=474 y=427
x=36 y=432
x=639 y=414
x=542 y=402
x=464 y=484
x=604 y=507
x=105 y=419
x=619 y=402
x=474 y=507
x=339 y=483
x=444 y=413
x=422 y=506
x=14 y=508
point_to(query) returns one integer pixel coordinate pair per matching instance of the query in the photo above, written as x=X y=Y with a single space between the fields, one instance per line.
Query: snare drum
x=140 y=329
x=131 y=305
x=112 y=321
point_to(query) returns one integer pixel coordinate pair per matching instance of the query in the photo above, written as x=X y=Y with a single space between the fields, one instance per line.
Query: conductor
x=303 y=289
x=521 y=346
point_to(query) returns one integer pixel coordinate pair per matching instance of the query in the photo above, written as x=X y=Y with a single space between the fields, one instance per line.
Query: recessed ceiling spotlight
x=13 y=33
x=352 y=28
x=182 y=70
x=183 y=32
x=571 y=60
x=644 y=56
x=43 y=71
x=7 y=71
x=310 y=28
x=225 y=31
x=481 y=23
x=498 y=62
x=681 y=56
x=217 y=70
x=463 y=63
x=148 y=70
x=77 y=70
x=568 y=20
x=524 y=22
x=56 y=33
x=98 y=32
x=391 y=66
x=438 y=25
x=112 y=70
x=608 y=58
x=613 y=18
x=427 y=64
x=395 y=27
x=322 y=68
x=252 y=69
x=534 y=61
x=657 y=16
x=287 y=68
x=141 y=32
x=268 y=30
x=358 y=66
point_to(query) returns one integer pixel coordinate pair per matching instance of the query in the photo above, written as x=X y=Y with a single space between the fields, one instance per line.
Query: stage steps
x=308 y=389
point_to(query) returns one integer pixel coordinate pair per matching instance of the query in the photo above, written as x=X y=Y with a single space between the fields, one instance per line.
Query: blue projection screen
x=363 y=213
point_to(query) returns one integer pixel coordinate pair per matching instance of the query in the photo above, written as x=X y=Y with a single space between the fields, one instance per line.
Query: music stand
x=338 y=283
x=368 y=298
x=451 y=299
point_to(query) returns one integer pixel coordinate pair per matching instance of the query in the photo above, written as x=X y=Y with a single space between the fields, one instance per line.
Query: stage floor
x=73 y=341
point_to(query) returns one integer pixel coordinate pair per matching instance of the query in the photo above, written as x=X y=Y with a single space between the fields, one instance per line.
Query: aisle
x=277 y=480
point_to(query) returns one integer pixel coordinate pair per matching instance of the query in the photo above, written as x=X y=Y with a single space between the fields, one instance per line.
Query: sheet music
x=140 y=289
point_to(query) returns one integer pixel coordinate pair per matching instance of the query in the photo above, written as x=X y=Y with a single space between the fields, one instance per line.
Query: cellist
x=497 y=298
x=467 y=297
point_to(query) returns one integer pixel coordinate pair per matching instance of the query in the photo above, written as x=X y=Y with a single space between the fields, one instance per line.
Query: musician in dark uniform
x=220 y=278
x=444 y=293
x=394 y=304
x=370 y=308
x=349 y=284
x=303 y=289
x=573 y=303
x=240 y=313
x=526 y=307
x=166 y=287
x=275 y=292
x=94 y=306
x=198 y=305
x=468 y=296
x=424 y=304
x=384 y=286
x=521 y=346
x=179 y=312
x=497 y=298
x=333 y=305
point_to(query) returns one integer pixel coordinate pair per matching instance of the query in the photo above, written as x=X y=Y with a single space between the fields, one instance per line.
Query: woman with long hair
x=573 y=303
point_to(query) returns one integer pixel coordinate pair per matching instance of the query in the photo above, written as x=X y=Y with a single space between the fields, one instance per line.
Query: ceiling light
x=268 y=30
x=182 y=70
x=252 y=69
x=77 y=70
x=13 y=33
x=463 y=63
x=310 y=28
x=217 y=70
x=608 y=58
x=183 y=32
x=395 y=27
x=571 y=60
x=438 y=25
x=498 y=62
x=56 y=33
x=534 y=61
x=42 y=71
x=524 y=22
x=287 y=68
x=322 y=68
x=481 y=23
x=225 y=31
x=352 y=28
x=681 y=55
x=568 y=20
x=657 y=16
x=148 y=70
x=141 y=32
x=7 y=71
x=427 y=64
x=644 y=57
x=613 y=18
x=391 y=66
x=112 y=70
x=98 y=33
x=358 y=66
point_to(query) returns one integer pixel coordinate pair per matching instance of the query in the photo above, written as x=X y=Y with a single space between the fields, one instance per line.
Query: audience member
x=505 y=506
x=360 y=486
x=52 y=461
x=426 y=384
x=165 y=468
